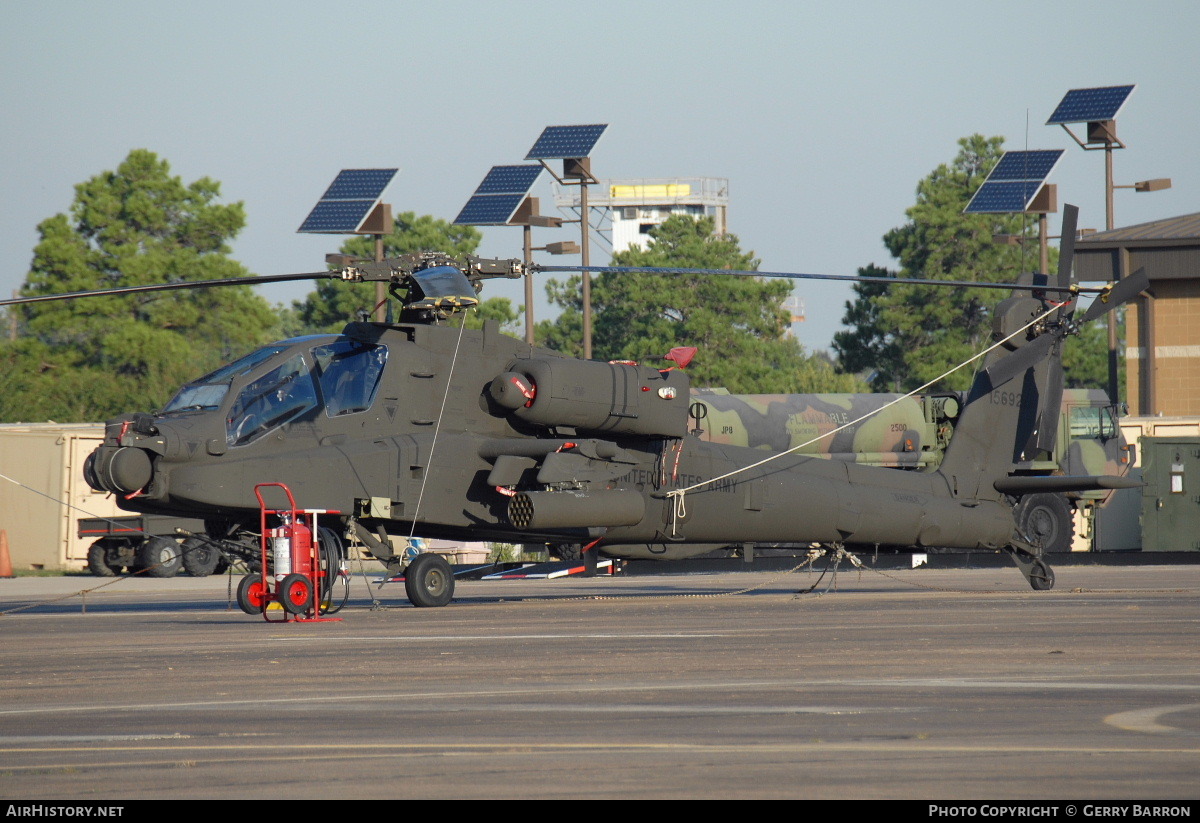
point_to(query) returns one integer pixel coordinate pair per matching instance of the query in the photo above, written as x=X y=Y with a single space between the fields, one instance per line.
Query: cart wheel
x=295 y=593
x=252 y=594
x=429 y=581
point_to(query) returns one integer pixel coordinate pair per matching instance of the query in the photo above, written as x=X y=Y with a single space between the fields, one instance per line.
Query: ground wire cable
x=680 y=509
x=109 y=520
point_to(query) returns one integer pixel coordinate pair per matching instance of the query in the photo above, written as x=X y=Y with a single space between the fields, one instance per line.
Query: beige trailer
x=43 y=493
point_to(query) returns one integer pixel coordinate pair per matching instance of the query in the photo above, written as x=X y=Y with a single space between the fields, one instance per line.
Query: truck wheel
x=159 y=557
x=429 y=581
x=200 y=556
x=567 y=551
x=98 y=563
x=1046 y=521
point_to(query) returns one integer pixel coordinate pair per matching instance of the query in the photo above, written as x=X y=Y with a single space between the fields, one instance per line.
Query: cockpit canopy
x=341 y=377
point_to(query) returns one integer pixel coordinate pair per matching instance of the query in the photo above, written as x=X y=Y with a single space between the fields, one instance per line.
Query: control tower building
x=624 y=211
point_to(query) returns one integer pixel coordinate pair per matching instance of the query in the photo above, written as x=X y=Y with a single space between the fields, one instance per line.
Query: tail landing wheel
x=1028 y=559
x=1041 y=577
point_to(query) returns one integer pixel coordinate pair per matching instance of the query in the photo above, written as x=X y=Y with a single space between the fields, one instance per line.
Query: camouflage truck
x=913 y=434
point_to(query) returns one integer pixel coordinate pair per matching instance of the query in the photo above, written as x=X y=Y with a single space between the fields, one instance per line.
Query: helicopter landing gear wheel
x=295 y=593
x=429 y=581
x=252 y=594
x=1041 y=577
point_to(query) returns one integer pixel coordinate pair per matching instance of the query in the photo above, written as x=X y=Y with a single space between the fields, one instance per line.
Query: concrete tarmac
x=919 y=684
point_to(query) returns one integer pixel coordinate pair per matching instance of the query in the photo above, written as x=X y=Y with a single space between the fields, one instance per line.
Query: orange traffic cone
x=5 y=561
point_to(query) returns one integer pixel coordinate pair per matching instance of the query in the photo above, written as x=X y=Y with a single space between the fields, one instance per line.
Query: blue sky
x=823 y=117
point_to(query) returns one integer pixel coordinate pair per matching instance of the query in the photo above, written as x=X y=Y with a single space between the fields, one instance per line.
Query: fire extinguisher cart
x=291 y=571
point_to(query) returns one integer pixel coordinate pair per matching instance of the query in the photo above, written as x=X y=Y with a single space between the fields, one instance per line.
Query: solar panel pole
x=580 y=169
x=587 y=279
x=573 y=145
x=351 y=205
x=379 y=223
x=380 y=289
x=528 y=232
x=1098 y=108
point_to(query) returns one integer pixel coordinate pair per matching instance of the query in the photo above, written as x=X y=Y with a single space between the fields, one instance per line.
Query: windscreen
x=348 y=373
x=210 y=390
x=280 y=395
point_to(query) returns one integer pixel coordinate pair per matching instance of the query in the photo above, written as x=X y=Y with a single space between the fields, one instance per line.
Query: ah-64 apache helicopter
x=418 y=426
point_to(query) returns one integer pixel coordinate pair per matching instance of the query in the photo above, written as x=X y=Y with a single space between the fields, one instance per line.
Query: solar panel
x=359 y=184
x=1003 y=197
x=1090 y=105
x=336 y=216
x=1025 y=165
x=489 y=210
x=509 y=180
x=1014 y=182
x=347 y=202
x=566 y=141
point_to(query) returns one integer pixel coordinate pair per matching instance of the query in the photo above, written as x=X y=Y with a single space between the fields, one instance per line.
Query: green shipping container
x=1171 y=496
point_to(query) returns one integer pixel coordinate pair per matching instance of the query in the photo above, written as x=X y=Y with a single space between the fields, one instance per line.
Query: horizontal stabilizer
x=1028 y=484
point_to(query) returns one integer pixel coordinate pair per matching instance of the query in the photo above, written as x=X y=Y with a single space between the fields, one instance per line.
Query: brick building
x=1162 y=327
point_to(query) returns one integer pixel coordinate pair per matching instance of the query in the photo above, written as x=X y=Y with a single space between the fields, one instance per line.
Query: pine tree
x=92 y=358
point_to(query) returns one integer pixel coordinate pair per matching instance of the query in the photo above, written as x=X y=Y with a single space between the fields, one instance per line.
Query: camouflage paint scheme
x=909 y=434
x=913 y=433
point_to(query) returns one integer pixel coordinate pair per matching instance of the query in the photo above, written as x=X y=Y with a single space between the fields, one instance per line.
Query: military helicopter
x=420 y=426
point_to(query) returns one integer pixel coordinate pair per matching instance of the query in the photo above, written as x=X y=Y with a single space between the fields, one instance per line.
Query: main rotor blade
x=850 y=278
x=1117 y=294
x=192 y=284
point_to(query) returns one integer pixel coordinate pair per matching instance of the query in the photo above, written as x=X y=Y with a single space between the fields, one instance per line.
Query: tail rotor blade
x=1066 y=257
x=1066 y=246
x=1121 y=292
x=1023 y=358
x=1051 y=403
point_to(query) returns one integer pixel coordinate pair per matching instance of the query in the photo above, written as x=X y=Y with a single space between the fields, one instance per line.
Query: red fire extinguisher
x=291 y=572
x=291 y=548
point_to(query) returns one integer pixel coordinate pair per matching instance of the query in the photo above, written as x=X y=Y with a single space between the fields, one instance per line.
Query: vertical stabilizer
x=1003 y=408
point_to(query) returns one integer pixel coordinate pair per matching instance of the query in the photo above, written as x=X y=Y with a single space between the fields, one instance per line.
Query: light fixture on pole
x=1098 y=107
